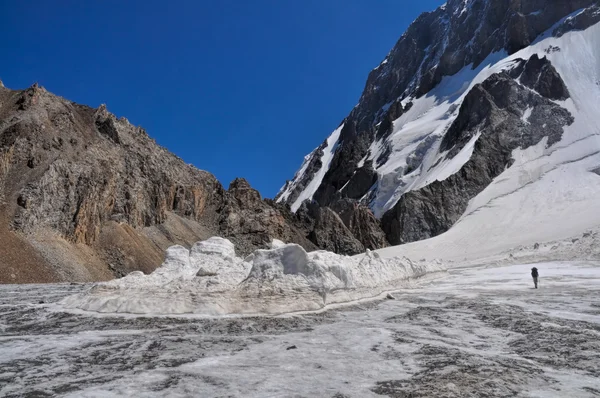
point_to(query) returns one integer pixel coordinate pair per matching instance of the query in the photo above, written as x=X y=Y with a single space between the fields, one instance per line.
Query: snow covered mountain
x=482 y=105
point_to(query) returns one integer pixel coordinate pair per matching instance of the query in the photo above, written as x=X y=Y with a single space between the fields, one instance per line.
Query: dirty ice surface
x=474 y=330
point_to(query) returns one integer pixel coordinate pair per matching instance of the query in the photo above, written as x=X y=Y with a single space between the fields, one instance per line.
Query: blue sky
x=238 y=88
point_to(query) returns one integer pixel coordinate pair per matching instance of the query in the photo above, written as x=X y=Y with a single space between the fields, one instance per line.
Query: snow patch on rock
x=315 y=182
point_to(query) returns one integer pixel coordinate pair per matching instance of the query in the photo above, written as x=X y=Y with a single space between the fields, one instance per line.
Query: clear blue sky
x=238 y=88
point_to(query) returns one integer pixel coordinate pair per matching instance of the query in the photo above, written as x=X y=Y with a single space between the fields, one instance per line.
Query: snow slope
x=211 y=280
x=314 y=183
x=577 y=62
x=548 y=193
x=417 y=135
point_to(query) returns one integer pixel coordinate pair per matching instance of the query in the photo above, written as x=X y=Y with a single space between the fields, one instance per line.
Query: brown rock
x=111 y=201
x=331 y=234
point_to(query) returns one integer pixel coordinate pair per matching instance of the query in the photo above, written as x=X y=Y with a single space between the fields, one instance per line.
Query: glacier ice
x=210 y=279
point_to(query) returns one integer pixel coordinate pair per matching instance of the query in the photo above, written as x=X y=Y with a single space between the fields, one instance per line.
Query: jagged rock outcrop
x=331 y=234
x=361 y=222
x=539 y=75
x=250 y=222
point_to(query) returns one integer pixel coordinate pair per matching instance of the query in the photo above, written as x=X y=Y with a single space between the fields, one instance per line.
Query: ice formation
x=210 y=279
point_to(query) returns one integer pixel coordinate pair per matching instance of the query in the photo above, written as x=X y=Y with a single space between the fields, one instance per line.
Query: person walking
x=535 y=276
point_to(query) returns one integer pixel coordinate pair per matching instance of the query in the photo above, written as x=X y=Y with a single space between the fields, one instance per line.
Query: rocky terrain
x=433 y=127
x=87 y=196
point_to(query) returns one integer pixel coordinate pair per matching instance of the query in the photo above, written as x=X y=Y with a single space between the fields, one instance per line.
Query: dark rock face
x=331 y=234
x=361 y=222
x=539 y=75
x=251 y=223
x=588 y=17
x=496 y=109
x=243 y=193
x=107 y=124
x=360 y=183
x=352 y=149
x=394 y=112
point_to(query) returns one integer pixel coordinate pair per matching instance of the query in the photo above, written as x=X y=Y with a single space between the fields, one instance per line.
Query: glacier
x=211 y=280
x=479 y=329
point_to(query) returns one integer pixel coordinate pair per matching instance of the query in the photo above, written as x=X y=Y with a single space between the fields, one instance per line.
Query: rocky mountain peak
x=239 y=183
x=107 y=124
x=433 y=107
x=243 y=192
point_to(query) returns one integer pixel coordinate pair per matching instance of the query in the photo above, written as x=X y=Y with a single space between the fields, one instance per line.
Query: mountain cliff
x=465 y=89
x=87 y=196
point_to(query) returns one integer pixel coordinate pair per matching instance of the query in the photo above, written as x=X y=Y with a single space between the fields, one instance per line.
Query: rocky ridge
x=87 y=196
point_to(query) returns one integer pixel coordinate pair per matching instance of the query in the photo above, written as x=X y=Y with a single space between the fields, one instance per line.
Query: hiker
x=535 y=275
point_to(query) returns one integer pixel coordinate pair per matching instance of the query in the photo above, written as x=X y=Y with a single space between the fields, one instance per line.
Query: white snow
x=538 y=12
x=311 y=188
x=276 y=243
x=466 y=5
x=452 y=166
x=526 y=115
x=427 y=121
x=211 y=280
